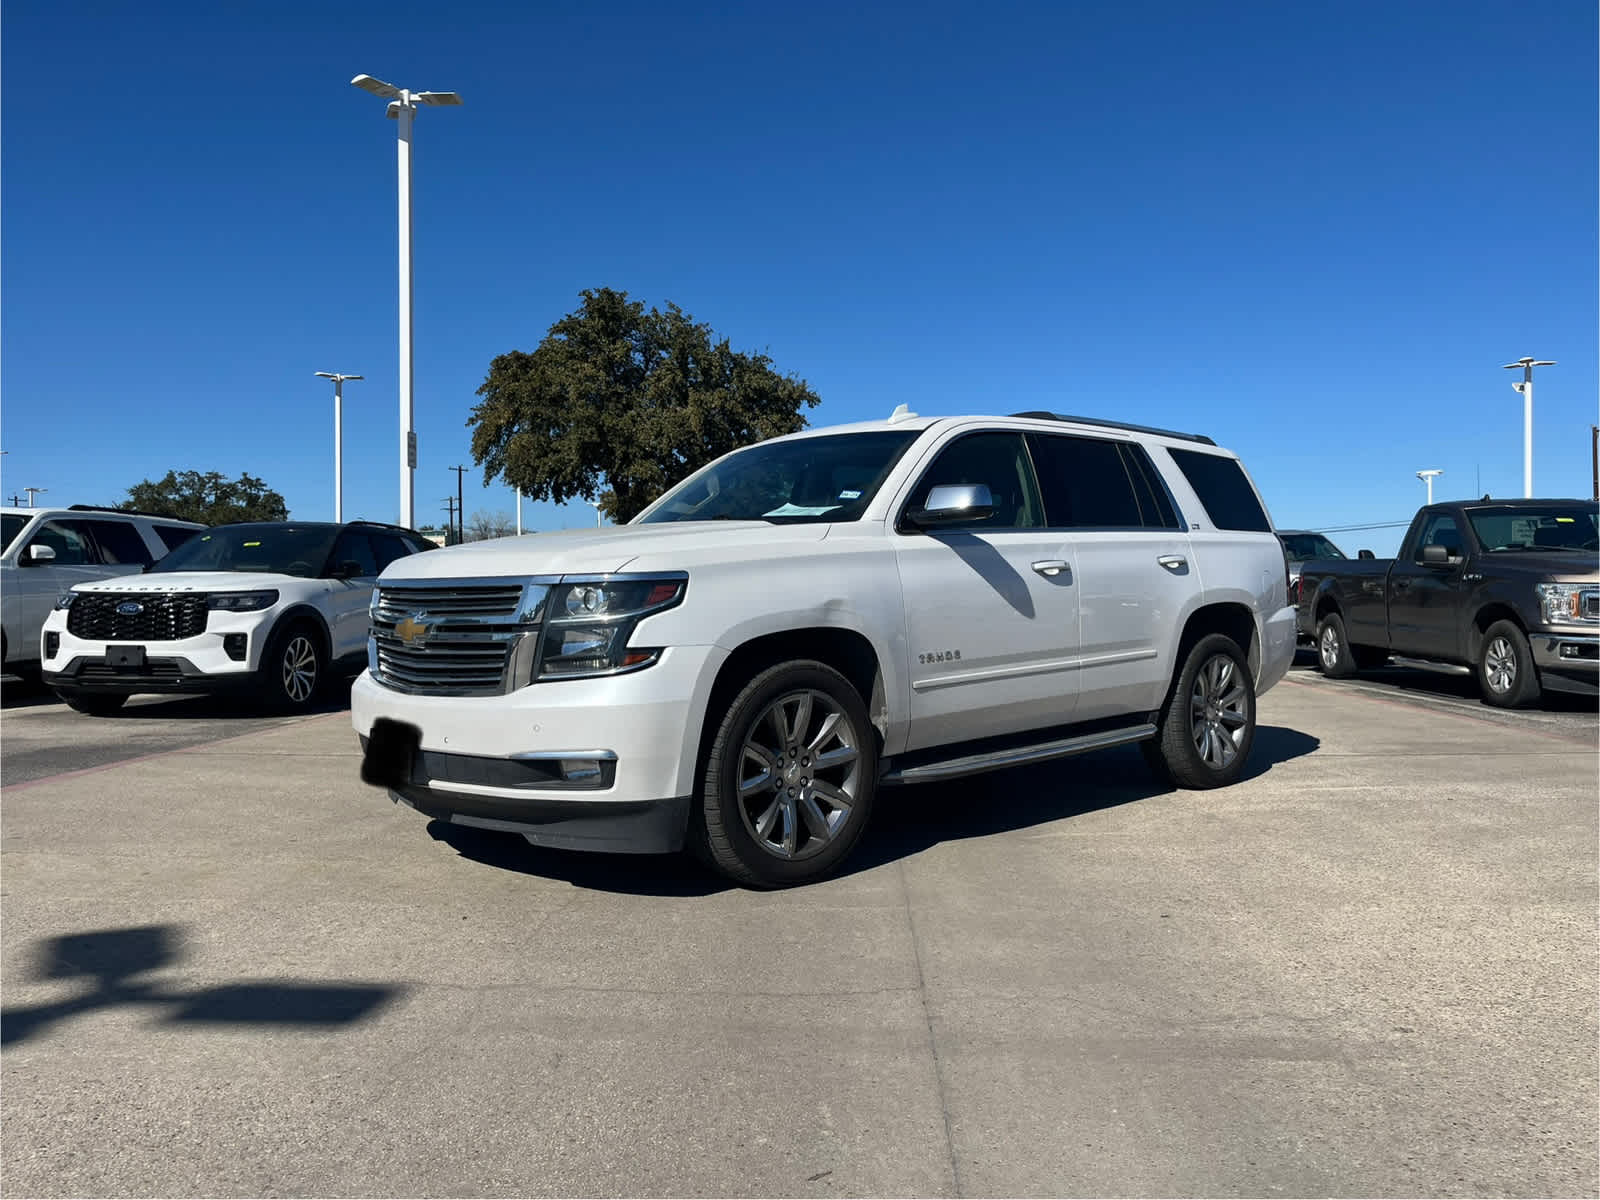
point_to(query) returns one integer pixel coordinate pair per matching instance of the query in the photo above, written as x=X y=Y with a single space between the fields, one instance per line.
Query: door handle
x=1173 y=562
x=1050 y=567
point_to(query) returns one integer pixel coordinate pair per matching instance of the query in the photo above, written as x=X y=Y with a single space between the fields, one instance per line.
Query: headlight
x=592 y=620
x=65 y=599
x=1563 y=603
x=242 y=601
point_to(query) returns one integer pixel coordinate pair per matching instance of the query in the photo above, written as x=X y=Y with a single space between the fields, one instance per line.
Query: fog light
x=52 y=643
x=577 y=770
x=233 y=645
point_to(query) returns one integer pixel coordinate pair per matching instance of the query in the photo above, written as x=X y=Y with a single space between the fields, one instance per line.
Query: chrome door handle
x=1173 y=562
x=1050 y=566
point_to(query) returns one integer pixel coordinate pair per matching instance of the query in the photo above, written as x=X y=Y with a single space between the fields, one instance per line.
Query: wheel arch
x=1479 y=626
x=301 y=614
x=1230 y=618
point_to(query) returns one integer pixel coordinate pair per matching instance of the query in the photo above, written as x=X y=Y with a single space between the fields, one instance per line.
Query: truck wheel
x=1333 y=648
x=1208 y=723
x=789 y=778
x=292 y=668
x=1505 y=667
x=95 y=704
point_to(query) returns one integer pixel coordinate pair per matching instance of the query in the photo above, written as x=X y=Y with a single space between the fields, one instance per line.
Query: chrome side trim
x=542 y=755
x=992 y=674
x=974 y=764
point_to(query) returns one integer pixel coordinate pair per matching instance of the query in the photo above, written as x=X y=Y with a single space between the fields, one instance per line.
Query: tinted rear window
x=173 y=536
x=120 y=543
x=1090 y=483
x=1223 y=488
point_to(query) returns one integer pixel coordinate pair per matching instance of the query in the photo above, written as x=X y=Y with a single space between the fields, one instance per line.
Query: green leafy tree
x=208 y=497
x=617 y=404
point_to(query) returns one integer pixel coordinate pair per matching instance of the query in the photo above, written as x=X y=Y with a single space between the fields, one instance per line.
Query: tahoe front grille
x=461 y=640
x=150 y=616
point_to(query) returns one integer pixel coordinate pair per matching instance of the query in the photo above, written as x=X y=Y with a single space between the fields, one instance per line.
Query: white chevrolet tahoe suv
x=808 y=619
x=268 y=608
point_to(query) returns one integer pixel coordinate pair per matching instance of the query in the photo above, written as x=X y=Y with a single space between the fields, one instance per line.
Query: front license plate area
x=391 y=749
x=125 y=658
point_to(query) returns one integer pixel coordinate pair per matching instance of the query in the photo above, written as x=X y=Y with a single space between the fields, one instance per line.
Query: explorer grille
x=462 y=640
x=162 y=616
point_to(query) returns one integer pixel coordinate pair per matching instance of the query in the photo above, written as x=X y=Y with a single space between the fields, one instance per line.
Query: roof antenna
x=902 y=412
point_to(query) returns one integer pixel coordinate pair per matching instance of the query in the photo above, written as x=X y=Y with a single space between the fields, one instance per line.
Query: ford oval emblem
x=129 y=608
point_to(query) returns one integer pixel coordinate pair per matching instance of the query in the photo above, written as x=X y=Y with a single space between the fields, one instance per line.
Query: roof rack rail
x=128 y=512
x=1104 y=424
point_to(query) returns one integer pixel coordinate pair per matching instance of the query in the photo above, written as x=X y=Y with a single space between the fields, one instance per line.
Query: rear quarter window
x=120 y=542
x=173 y=536
x=1224 y=489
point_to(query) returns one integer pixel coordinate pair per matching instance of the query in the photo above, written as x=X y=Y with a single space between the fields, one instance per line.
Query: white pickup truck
x=808 y=619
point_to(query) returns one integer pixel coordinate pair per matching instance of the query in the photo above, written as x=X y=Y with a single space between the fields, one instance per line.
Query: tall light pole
x=592 y=504
x=1427 y=477
x=519 y=512
x=402 y=107
x=31 y=492
x=1525 y=386
x=338 y=439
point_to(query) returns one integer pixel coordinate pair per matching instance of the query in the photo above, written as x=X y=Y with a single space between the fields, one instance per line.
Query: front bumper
x=492 y=761
x=193 y=664
x=1567 y=662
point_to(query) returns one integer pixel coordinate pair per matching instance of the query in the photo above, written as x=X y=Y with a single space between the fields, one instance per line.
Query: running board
x=1017 y=756
x=1425 y=664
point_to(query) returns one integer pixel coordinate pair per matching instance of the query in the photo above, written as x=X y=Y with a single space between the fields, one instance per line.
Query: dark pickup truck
x=1507 y=588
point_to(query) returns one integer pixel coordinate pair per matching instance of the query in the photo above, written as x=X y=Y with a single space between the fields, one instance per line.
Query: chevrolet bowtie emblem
x=413 y=631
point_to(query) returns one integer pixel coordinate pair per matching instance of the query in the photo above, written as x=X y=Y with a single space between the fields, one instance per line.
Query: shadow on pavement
x=1419 y=681
x=906 y=820
x=111 y=959
x=22 y=693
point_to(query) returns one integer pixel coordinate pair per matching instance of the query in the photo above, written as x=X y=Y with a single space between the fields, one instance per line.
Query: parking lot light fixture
x=1428 y=478
x=402 y=107
x=338 y=439
x=32 y=492
x=1525 y=386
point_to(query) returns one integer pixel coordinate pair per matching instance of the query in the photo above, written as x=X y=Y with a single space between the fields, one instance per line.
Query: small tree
x=618 y=404
x=207 y=498
x=482 y=525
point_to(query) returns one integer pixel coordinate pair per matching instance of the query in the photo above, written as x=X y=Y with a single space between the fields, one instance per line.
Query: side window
x=1221 y=484
x=389 y=547
x=119 y=542
x=173 y=536
x=1440 y=530
x=999 y=460
x=353 y=546
x=1090 y=483
x=1154 y=503
x=70 y=541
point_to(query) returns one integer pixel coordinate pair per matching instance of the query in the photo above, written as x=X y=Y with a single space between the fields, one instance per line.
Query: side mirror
x=953 y=504
x=1435 y=555
x=38 y=554
x=1365 y=554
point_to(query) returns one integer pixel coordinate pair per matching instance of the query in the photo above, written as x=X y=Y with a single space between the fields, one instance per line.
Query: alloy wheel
x=1328 y=647
x=299 y=669
x=799 y=774
x=1219 y=711
x=1500 y=666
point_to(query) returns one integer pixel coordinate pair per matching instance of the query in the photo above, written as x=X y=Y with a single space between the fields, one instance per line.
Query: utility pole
x=450 y=529
x=1525 y=387
x=461 y=512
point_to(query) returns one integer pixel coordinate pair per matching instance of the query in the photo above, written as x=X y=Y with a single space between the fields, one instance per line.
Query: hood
x=1560 y=564
x=192 y=581
x=601 y=551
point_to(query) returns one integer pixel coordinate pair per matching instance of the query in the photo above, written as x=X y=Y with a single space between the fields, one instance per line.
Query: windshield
x=827 y=478
x=272 y=549
x=10 y=525
x=1304 y=546
x=1560 y=527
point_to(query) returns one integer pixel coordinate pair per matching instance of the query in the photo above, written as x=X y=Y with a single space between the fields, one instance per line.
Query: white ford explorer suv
x=269 y=608
x=805 y=620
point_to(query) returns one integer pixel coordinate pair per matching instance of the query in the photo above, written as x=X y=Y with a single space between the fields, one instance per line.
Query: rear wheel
x=1208 y=723
x=95 y=704
x=1333 y=648
x=292 y=668
x=789 y=778
x=1505 y=667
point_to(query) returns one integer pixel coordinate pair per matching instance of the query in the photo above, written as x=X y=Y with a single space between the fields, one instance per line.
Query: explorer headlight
x=591 y=621
x=242 y=601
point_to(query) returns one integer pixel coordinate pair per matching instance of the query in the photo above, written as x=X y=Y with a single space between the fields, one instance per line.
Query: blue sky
x=1313 y=232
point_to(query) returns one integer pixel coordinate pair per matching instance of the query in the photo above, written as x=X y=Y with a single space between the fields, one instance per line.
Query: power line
x=1353 y=528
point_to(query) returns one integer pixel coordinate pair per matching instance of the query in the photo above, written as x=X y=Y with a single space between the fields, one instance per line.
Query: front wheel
x=1506 y=673
x=292 y=669
x=94 y=704
x=1208 y=723
x=789 y=778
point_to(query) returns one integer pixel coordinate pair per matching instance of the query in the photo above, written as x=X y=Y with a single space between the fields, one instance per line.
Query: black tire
x=293 y=668
x=1506 y=674
x=739 y=820
x=95 y=704
x=1334 y=657
x=1208 y=723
